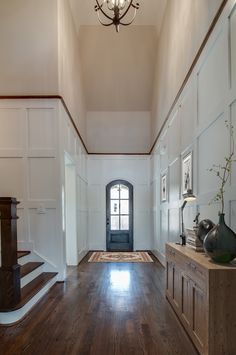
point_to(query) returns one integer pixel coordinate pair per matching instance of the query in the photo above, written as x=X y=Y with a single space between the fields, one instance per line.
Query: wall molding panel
x=207 y=100
x=101 y=171
x=32 y=165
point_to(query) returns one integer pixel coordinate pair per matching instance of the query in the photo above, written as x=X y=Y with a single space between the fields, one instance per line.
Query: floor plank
x=102 y=309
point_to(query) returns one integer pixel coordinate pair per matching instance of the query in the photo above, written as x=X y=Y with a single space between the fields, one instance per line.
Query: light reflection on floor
x=120 y=280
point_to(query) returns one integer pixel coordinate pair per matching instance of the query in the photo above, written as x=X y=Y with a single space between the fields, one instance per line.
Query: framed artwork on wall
x=187 y=173
x=164 y=188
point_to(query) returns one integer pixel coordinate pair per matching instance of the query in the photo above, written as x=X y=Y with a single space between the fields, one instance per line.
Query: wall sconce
x=188 y=197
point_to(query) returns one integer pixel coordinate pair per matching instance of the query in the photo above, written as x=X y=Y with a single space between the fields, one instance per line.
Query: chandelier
x=115 y=11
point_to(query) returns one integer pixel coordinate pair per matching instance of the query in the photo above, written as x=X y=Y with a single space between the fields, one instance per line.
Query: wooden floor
x=102 y=309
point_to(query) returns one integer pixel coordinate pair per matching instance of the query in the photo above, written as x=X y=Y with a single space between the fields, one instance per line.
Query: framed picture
x=164 y=188
x=187 y=173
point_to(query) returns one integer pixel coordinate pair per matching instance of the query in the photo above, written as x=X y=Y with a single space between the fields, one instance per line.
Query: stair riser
x=25 y=259
x=31 y=276
x=15 y=316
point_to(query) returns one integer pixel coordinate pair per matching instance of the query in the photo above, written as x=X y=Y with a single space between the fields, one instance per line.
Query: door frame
x=131 y=210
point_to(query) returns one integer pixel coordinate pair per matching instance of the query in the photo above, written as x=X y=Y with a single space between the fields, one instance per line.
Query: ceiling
x=118 y=69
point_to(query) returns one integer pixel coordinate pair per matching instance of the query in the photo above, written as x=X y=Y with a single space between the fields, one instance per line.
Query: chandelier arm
x=126 y=24
x=105 y=24
x=103 y=12
x=126 y=11
x=102 y=23
x=136 y=6
x=129 y=23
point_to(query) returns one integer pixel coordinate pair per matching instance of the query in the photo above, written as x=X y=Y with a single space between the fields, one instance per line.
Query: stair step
x=22 y=253
x=32 y=288
x=29 y=267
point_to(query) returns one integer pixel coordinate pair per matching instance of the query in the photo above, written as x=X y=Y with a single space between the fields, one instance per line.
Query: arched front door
x=119 y=216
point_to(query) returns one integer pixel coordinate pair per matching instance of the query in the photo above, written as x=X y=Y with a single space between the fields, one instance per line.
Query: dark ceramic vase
x=220 y=242
x=204 y=228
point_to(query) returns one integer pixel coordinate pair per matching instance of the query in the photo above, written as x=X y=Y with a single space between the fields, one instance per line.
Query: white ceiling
x=118 y=69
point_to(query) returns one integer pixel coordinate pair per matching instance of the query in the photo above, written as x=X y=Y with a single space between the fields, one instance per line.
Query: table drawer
x=196 y=273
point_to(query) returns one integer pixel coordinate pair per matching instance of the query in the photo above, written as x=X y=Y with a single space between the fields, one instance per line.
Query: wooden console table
x=203 y=295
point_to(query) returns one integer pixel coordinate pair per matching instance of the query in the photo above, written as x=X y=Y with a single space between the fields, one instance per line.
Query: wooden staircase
x=36 y=282
x=23 y=281
x=33 y=287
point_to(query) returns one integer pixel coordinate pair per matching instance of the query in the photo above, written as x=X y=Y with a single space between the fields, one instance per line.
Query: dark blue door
x=119 y=216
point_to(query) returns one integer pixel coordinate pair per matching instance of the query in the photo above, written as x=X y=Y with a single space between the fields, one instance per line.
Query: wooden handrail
x=10 y=290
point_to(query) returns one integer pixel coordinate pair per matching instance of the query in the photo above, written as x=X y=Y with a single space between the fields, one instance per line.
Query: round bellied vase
x=220 y=242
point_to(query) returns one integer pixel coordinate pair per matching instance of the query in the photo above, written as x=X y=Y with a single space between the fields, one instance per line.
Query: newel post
x=10 y=292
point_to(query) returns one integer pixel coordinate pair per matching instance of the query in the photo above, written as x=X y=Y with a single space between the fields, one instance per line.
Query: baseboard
x=142 y=247
x=49 y=266
x=95 y=247
x=161 y=257
x=82 y=255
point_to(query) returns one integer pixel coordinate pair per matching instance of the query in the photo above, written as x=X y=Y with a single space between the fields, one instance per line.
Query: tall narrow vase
x=220 y=242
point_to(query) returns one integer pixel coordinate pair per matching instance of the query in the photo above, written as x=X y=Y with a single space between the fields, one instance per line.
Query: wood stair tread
x=32 y=288
x=22 y=253
x=29 y=267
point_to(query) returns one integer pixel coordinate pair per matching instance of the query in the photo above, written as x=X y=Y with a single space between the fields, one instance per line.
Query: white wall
x=197 y=125
x=29 y=171
x=41 y=53
x=29 y=55
x=101 y=171
x=184 y=27
x=34 y=136
x=118 y=69
x=70 y=71
x=71 y=145
x=118 y=132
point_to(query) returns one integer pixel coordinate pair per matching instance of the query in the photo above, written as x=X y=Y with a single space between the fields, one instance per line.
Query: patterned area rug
x=120 y=257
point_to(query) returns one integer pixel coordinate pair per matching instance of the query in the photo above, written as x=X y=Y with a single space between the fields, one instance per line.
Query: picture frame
x=164 y=188
x=187 y=173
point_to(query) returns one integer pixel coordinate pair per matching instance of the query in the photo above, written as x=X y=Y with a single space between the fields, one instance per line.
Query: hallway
x=101 y=309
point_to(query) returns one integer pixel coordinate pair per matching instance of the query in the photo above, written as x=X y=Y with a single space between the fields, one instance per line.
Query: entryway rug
x=120 y=257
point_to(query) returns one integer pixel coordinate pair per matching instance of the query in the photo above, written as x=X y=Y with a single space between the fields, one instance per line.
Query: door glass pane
x=115 y=191
x=124 y=191
x=124 y=222
x=114 y=223
x=124 y=206
x=115 y=207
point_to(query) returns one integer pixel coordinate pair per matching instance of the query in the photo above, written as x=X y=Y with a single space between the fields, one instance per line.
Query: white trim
x=161 y=257
x=7 y=318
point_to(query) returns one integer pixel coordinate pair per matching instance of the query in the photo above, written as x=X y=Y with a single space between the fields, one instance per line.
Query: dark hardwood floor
x=102 y=309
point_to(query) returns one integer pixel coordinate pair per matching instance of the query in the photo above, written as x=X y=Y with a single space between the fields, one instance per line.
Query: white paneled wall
x=197 y=125
x=72 y=147
x=101 y=171
x=32 y=148
x=29 y=170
